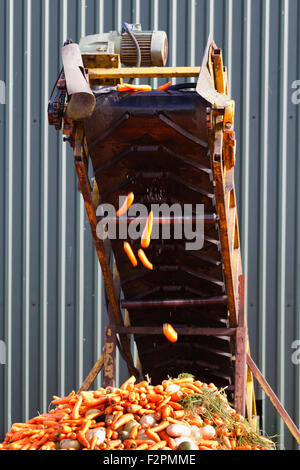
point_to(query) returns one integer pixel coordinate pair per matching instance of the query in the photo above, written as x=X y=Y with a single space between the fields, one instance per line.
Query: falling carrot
x=146 y=235
x=126 y=204
x=164 y=87
x=129 y=87
x=170 y=333
x=130 y=254
x=144 y=259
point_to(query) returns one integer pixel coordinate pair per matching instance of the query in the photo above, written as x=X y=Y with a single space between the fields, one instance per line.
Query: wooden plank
x=109 y=372
x=92 y=374
x=217 y=145
x=274 y=399
x=241 y=352
x=156 y=330
x=143 y=72
x=219 y=71
x=222 y=300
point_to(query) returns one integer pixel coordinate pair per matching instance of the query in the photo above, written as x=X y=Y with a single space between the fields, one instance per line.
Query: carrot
x=158 y=445
x=109 y=432
x=153 y=435
x=133 y=408
x=164 y=402
x=171 y=443
x=174 y=421
x=174 y=398
x=178 y=414
x=130 y=254
x=134 y=431
x=146 y=235
x=75 y=411
x=144 y=259
x=114 y=443
x=163 y=435
x=170 y=333
x=58 y=400
x=129 y=87
x=161 y=426
x=131 y=380
x=227 y=442
x=166 y=411
x=243 y=447
x=126 y=204
x=184 y=380
x=232 y=443
x=117 y=416
x=18 y=445
x=154 y=398
x=209 y=443
x=164 y=87
x=208 y=421
x=123 y=420
x=82 y=439
x=218 y=421
x=130 y=444
x=142 y=446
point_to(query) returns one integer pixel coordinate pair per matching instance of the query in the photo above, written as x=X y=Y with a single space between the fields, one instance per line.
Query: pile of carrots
x=174 y=415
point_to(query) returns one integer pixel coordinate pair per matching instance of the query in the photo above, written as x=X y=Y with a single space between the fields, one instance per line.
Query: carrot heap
x=178 y=414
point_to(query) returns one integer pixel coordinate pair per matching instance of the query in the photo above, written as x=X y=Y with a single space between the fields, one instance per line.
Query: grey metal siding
x=51 y=292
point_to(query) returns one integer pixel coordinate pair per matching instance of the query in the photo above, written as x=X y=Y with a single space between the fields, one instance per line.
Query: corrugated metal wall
x=51 y=294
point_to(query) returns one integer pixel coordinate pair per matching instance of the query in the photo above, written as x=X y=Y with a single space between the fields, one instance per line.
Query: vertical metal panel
x=51 y=291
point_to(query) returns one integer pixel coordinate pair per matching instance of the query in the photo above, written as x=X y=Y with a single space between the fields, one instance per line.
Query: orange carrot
x=130 y=254
x=126 y=204
x=133 y=408
x=161 y=426
x=146 y=235
x=163 y=403
x=130 y=444
x=232 y=443
x=114 y=443
x=144 y=259
x=227 y=442
x=164 y=87
x=154 y=398
x=170 y=333
x=134 y=431
x=75 y=411
x=243 y=447
x=158 y=445
x=123 y=420
x=166 y=411
x=172 y=443
x=142 y=446
x=129 y=87
x=176 y=406
x=117 y=416
x=178 y=414
x=131 y=380
x=153 y=435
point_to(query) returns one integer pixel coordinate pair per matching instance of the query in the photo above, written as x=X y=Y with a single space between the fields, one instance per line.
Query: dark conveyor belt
x=155 y=145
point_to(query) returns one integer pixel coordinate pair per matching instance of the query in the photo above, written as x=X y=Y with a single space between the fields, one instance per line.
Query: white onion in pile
x=100 y=433
x=172 y=388
x=177 y=430
x=207 y=432
x=148 y=419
